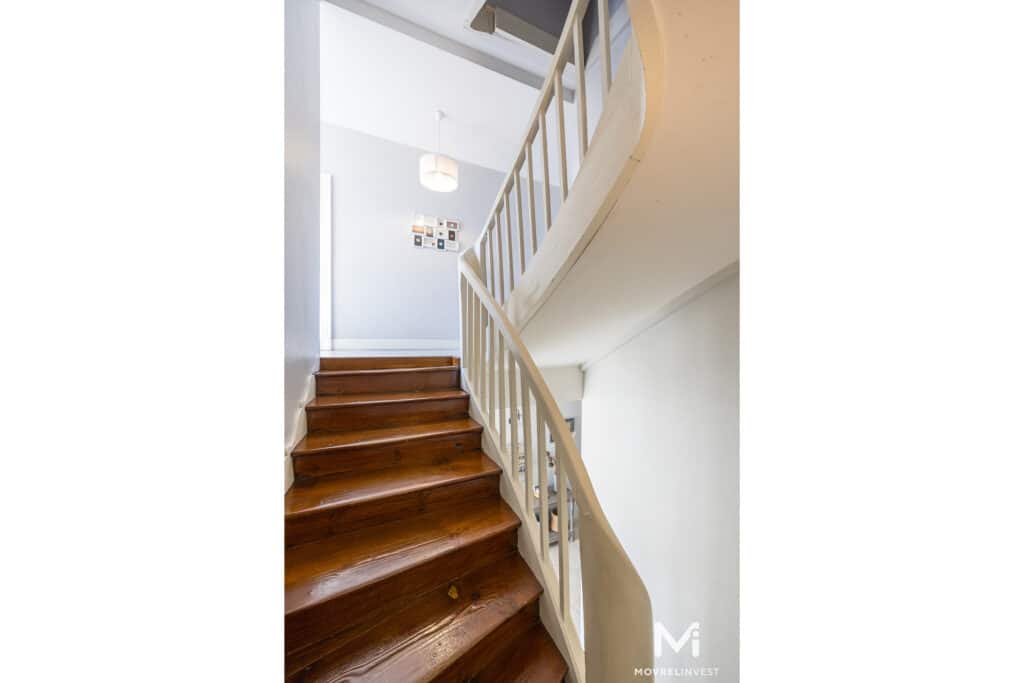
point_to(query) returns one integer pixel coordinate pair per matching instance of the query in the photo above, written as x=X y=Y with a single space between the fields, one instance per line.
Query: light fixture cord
x=437 y=136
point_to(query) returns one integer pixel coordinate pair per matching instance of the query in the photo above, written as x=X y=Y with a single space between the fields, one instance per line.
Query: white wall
x=662 y=449
x=301 y=210
x=565 y=382
x=384 y=288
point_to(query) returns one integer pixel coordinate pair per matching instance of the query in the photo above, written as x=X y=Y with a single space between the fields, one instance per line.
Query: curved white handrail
x=618 y=629
x=507 y=389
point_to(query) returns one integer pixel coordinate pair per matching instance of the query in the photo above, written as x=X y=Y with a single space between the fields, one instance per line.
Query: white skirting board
x=396 y=347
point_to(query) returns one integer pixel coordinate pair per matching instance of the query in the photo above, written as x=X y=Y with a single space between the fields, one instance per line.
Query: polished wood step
x=384 y=362
x=341 y=580
x=367 y=411
x=330 y=382
x=343 y=503
x=326 y=453
x=532 y=658
x=449 y=634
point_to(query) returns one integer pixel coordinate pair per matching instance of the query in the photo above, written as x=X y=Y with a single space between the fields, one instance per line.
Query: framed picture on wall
x=571 y=422
x=439 y=234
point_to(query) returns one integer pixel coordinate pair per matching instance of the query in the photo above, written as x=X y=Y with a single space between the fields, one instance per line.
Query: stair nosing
x=477 y=427
x=497 y=530
x=384 y=495
x=384 y=371
x=427 y=396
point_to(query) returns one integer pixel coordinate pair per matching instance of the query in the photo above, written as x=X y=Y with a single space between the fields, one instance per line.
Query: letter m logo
x=691 y=635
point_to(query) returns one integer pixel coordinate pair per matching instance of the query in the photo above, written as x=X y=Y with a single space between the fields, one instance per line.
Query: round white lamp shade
x=439 y=173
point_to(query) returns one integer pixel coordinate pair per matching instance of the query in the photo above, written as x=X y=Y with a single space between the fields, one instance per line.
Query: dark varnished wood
x=531 y=658
x=335 y=581
x=343 y=503
x=393 y=506
x=366 y=411
x=355 y=439
x=433 y=443
x=387 y=362
x=391 y=380
x=435 y=637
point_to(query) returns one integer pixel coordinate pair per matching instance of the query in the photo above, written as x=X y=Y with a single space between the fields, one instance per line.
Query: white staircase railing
x=602 y=611
x=503 y=236
x=592 y=577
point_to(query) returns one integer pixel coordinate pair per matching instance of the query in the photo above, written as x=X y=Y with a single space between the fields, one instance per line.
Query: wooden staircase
x=400 y=556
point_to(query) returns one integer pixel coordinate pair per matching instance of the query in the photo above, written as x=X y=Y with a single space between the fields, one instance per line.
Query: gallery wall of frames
x=436 y=233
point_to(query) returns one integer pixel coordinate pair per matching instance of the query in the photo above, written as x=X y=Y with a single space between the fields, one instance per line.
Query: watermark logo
x=691 y=635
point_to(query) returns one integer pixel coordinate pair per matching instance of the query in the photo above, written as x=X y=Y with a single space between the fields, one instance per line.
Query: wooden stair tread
x=336 y=565
x=426 y=638
x=534 y=659
x=381 y=362
x=332 y=401
x=383 y=435
x=355 y=488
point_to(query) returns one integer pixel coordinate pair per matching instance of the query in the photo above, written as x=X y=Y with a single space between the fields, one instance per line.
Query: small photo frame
x=440 y=244
x=452 y=235
x=451 y=246
x=418 y=230
x=429 y=231
x=417 y=240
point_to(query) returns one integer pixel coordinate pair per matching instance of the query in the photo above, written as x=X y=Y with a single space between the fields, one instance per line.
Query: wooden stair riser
x=387 y=362
x=469 y=666
x=434 y=450
x=317 y=622
x=531 y=658
x=332 y=385
x=379 y=415
x=316 y=525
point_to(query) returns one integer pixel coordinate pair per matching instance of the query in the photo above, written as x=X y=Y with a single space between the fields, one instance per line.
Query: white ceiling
x=450 y=18
x=381 y=82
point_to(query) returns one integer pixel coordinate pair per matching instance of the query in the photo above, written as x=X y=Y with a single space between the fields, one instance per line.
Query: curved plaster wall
x=653 y=215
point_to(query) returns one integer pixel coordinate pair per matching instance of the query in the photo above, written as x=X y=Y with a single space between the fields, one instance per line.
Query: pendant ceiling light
x=437 y=172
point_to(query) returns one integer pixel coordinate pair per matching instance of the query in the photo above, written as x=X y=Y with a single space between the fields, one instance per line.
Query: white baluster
x=508 y=235
x=482 y=358
x=529 y=196
x=563 y=534
x=491 y=241
x=581 y=84
x=483 y=255
x=606 y=49
x=542 y=482
x=560 y=111
x=519 y=221
x=502 y=399
x=491 y=334
x=501 y=251
x=527 y=438
x=464 y=318
x=468 y=354
x=544 y=166
x=513 y=415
